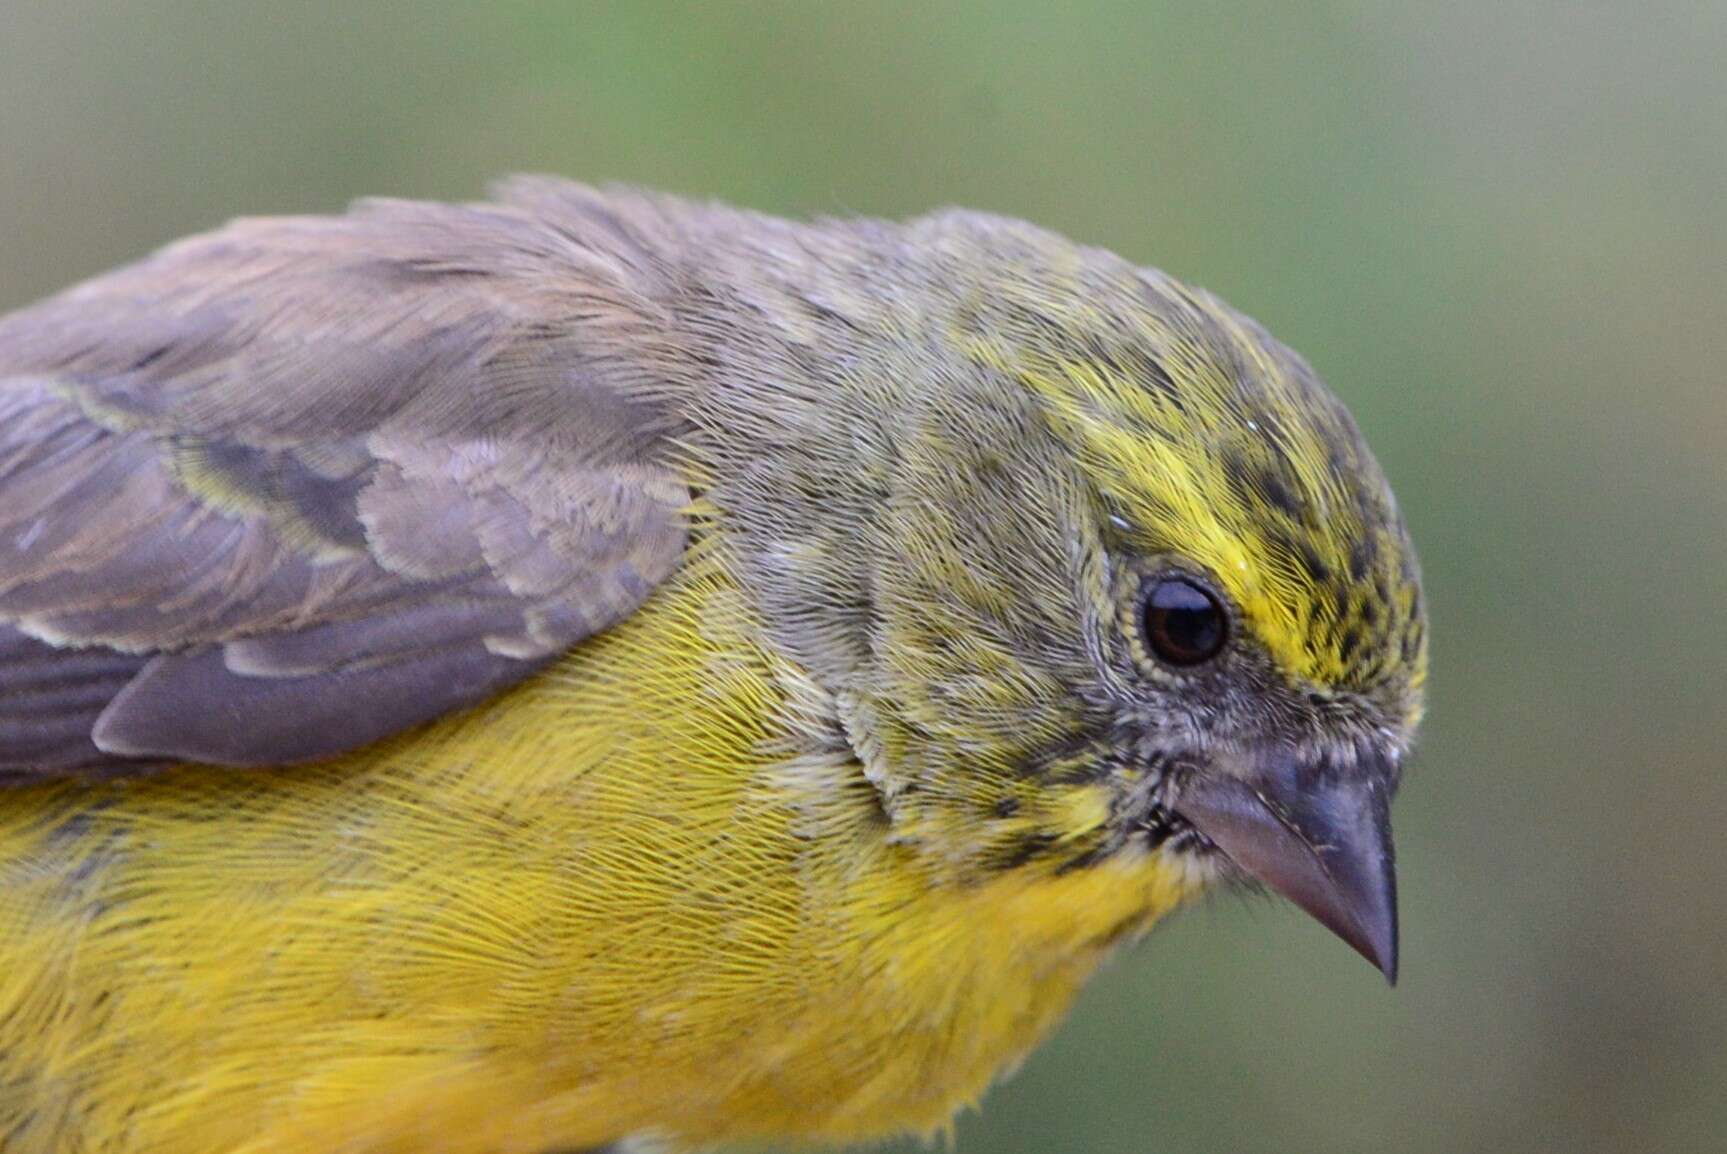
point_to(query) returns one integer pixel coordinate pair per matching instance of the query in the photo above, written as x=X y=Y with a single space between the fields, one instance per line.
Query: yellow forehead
x=1218 y=445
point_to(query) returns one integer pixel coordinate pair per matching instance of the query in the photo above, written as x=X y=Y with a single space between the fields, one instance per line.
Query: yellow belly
x=616 y=900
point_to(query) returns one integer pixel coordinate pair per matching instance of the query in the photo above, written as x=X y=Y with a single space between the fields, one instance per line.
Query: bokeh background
x=1499 y=230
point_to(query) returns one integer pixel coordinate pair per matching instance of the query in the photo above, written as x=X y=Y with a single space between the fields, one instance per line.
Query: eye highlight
x=1185 y=625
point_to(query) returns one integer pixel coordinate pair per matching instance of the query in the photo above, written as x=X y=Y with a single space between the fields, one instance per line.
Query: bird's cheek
x=1081 y=812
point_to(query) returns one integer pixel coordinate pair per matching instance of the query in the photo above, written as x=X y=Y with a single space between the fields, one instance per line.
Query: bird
x=590 y=667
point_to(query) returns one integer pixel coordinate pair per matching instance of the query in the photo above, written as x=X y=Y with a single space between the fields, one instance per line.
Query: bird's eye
x=1184 y=624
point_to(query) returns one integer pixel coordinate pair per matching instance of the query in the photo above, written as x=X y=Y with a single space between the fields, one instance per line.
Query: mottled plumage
x=838 y=753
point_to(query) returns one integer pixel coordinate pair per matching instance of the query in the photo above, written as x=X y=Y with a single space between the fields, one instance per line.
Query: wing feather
x=284 y=489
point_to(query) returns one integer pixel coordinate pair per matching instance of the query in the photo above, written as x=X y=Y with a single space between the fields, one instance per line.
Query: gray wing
x=283 y=489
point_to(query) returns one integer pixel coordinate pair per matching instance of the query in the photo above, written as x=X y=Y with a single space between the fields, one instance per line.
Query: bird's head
x=1115 y=576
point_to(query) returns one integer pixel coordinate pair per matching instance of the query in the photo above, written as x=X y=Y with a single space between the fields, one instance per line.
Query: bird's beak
x=1319 y=836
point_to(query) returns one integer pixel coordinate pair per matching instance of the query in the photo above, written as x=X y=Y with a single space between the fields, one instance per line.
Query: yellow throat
x=644 y=890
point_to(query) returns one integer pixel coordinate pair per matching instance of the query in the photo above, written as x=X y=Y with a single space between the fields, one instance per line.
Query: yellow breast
x=642 y=893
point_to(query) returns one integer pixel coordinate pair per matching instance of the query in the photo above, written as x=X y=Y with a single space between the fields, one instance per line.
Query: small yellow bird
x=594 y=668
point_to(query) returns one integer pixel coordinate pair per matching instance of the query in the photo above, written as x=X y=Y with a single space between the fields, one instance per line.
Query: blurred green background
x=1500 y=231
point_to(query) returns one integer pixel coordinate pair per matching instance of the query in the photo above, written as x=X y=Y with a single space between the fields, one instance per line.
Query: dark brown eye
x=1184 y=624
